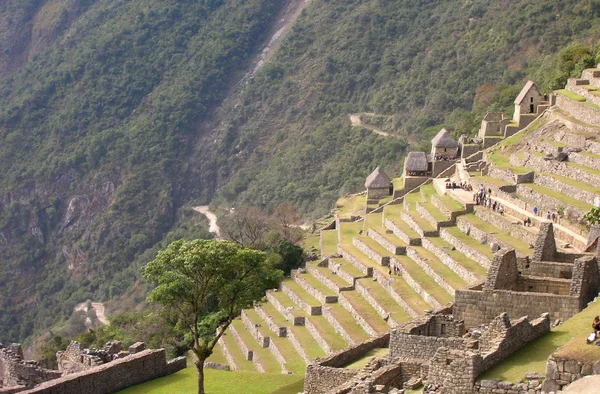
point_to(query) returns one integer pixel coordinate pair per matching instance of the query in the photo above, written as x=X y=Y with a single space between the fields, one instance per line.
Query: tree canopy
x=207 y=284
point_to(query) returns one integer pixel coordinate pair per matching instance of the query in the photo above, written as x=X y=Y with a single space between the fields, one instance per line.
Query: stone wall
x=389 y=224
x=415 y=285
x=543 y=285
x=421 y=347
x=560 y=168
x=469 y=149
x=18 y=373
x=415 y=226
x=479 y=307
x=564 y=188
x=370 y=252
x=389 y=246
x=368 y=271
x=495 y=219
x=479 y=235
x=549 y=203
x=547 y=269
x=320 y=379
x=263 y=341
x=351 y=354
x=337 y=326
x=347 y=305
x=560 y=372
x=323 y=298
x=114 y=376
x=453 y=370
x=313 y=310
x=586 y=280
x=424 y=264
x=378 y=194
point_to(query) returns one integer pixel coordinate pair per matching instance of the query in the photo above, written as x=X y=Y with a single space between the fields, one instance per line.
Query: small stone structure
x=443 y=146
x=528 y=102
x=433 y=348
x=416 y=164
x=93 y=371
x=378 y=185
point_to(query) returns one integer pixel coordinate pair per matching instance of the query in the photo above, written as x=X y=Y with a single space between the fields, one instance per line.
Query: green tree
x=593 y=216
x=207 y=284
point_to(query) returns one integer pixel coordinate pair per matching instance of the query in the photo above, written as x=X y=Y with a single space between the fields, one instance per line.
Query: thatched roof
x=528 y=86
x=443 y=139
x=415 y=161
x=378 y=180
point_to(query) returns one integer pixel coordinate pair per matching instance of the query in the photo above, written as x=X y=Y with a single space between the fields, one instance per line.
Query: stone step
x=379 y=298
x=324 y=333
x=261 y=357
x=593 y=75
x=431 y=214
x=476 y=251
x=288 y=308
x=508 y=223
x=468 y=269
x=387 y=240
x=301 y=297
x=402 y=293
x=440 y=273
x=364 y=314
x=314 y=287
x=589 y=160
x=258 y=332
x=358 y=259
x=279 y=330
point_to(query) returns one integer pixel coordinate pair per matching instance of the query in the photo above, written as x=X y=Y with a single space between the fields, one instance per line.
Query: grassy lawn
x=367 y=312
x=405 y=228
x=300 y=292
x=311 y=242
x=317 y=284
x=519 y=245
x=330 y=242
x=351 y=205
x=428 y=191
x=488 y=179
x=570 y=337
x=328 y=333
x=392 y=211
x=326 y=272
x=422 y=223
x=411 y=199
x=294 y=388
x=215 y=382
x=349 y=231
x=361 y=362
x=267 y=360
x=348 y=267
x=414 y=300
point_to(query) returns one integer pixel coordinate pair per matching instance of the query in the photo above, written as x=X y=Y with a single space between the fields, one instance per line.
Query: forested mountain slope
x=112 y=117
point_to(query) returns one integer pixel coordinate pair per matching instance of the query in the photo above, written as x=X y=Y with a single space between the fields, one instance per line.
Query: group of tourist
x=441 y=156
x=394 y=268
x=549 y=215
x=484 y=198
x=462 y=185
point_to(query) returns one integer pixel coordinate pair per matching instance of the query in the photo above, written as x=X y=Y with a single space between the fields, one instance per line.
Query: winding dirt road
x=212 y=219
x=356 y=121
x=98 y=307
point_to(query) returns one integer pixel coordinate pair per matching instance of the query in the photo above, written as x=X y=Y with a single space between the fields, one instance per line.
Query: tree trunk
x=200 y=369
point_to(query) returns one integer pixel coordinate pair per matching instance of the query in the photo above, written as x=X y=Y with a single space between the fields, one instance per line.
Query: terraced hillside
x=407 y=256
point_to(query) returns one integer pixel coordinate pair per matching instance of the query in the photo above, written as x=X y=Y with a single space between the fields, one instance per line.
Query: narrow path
x=212 y=219
x=356 y=121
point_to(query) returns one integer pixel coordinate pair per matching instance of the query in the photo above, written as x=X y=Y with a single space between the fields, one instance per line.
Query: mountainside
x=114 y=115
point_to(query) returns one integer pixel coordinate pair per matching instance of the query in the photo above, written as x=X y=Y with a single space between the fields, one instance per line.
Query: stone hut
x=527 y=101
x=416 y=164
x=378 y=184
x=443 y=146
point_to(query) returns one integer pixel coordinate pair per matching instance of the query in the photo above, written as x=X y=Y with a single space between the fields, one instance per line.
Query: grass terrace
x=236 y=353
x=411 y=200
x=503 y=236
x=360 y=363
x=367 y=312
x=451 y=203
x=388 y=236
x=488 y=179
x=371 y=243
x=328 y=333
x=348 y=322
x=326 y=272
x=349 y=230
x=590 y=170
x=428 y=191
x=570 y=95
x=267 y=360
x=561 y=197
x=330 y=242
x=434 y=212
x=569 y=336
x=422 y=223
x=351 y=206
x=574 y=183
x=348 y=267
x=218 y=356
x=455 y=281
x=424 y=280
x=311 y=242
x=373 y=220
x=383 y=298
x=460 y=258
x=300 y=292
x=414 y=300
x=471 y=242
x=398 y=183
x=316 y=283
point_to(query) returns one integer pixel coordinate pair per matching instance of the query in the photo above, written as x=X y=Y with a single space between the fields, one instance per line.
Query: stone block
x=137 y=347
x=571 y=367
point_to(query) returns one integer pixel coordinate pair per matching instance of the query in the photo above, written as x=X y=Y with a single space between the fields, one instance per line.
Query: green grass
x=451 y=203
x=215 y=382
x=503 y=162
x=569 y=336
x=300 y=292
x=361 y=362
x=455 y=281
x=488 y=179
x=570 y=95
x=356 y=332
x=294 y=388
x=590 y=170
x=392 y=211
x=503 y=236
x=424 y=280
x=385 y=300
x=328 y=333
x=388 y=236
x=352 y=205
x=422 y=223
x=405 y=228
x=267 y=360
x=311 y=242
x=371 y=243
x=367 y=312
x=460 y=258
x=398 y=183
x=590 y=154
x=348 y=267
x=236 y=353
x=434 y=212
x=373 y=220
x=330 y=242
x=217 y=356
x=350 y=230
x=316 y=283
x=414 y=300
x=428 y=191
x=467 y=240
x=411 y=200
x=332 y=277
x=560 y=197
x=574 y=183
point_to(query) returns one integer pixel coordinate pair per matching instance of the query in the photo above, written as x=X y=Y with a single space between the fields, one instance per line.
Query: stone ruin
x=559 y=283
x=96 y=371
x=435 y=347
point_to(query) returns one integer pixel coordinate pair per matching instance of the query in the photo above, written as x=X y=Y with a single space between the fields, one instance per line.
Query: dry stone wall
x=368 y=271
x=347 y=305
x=465 y=249
x=401 y=234
x=415 y=285
x=461 y=271
x=370 y=252
x=389 y=246
x=114 y=376
x=337 y=326
x=313 y=310
x=263 y=341
x=549 y=202
x=421 y=347
x=310 y=289
x=19 y=374
x=424 y=264
x=560 y=372
x=516 y=230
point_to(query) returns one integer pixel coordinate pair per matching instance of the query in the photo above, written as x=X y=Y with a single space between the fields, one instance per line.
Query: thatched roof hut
x=415 y=162
x=378 y=180
x=444 y=140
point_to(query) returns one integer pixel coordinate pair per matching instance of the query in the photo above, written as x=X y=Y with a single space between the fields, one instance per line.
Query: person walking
x=535 y=210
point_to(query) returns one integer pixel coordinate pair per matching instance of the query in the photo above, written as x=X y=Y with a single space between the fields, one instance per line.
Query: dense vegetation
x=106 y=136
